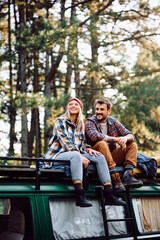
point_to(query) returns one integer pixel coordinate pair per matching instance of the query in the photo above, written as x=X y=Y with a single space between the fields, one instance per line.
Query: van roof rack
x=26 y=170
x=37 y=172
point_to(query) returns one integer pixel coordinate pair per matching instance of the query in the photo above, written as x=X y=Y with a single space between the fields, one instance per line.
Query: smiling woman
x=73 y=107
x=74 y=111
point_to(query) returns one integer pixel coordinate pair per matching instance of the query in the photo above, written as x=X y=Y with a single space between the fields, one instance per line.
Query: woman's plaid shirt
x=94 y=133
x=65 y=137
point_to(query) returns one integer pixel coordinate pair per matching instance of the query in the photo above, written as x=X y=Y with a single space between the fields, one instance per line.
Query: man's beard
x=102 y=119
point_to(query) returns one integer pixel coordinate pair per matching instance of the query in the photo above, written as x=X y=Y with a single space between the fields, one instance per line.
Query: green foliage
x=37 y=100
x=140 y=111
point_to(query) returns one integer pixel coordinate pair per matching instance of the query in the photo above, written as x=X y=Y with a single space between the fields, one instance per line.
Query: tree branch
x=130 y=39
x=77 y=4
x=54 y=68
x=97 y=13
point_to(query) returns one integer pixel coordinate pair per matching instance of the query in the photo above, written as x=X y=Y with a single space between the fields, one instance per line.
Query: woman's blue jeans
x=76 y=165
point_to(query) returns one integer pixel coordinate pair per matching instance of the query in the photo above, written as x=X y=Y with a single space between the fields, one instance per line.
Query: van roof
x=25 y=178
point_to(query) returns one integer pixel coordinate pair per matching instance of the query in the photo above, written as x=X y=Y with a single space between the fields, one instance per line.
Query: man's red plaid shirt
x=94 y=133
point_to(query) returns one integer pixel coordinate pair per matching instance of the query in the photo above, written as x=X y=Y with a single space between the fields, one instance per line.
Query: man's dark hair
x=104 y=101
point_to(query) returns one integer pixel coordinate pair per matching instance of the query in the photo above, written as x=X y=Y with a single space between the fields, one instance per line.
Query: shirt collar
x=69 y=122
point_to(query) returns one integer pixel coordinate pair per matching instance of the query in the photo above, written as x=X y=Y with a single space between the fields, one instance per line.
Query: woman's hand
x=85 y=162
x=92 y=151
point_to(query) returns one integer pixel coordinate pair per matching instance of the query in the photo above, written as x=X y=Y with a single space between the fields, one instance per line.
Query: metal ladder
x=99 y=190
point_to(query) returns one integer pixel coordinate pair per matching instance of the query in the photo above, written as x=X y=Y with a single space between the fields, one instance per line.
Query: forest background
x=51 y=50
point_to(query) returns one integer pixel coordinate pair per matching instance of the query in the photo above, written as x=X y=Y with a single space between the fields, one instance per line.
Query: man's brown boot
x=116 y=183
x=129 y=180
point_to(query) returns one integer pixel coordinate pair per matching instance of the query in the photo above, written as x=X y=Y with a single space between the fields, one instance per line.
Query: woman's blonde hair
x=79 y=120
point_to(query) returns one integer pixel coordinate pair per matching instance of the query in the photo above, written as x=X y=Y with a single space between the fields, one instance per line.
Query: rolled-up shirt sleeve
x=122 y=131
x=92 y=132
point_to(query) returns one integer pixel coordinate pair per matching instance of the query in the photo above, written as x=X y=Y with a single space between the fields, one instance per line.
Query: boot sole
x=117 y=190
x=132 y=185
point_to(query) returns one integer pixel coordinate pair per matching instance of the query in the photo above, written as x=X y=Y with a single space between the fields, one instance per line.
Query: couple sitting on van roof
x=68 y=142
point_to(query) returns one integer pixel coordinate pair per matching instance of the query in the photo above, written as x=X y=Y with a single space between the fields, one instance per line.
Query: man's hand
x=85 y=162
x=122 y=142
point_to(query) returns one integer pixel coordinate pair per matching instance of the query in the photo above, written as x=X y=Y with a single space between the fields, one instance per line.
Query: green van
x=39 y=204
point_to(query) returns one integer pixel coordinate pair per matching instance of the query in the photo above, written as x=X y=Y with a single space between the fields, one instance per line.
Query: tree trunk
x=38 y=135
x=11 y=109
x=37 y=121
x=23 y=86
x=73 y=56
x=54 y=79
x=47 y=93
x=50 y=77
x=76 y=70
x=31 y=134
x=47 y=114
x=35 y=131
x=51 y=74
x=68 y=77
x=95 y=80
x=77 y=82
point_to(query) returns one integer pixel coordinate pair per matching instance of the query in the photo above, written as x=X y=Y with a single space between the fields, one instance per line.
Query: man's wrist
x=111 y=139
x=106 y=138
x=130 y=138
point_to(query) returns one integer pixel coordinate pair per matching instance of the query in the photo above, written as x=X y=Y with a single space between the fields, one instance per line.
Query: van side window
x=5 y=206
x=71 y=222
x=147 y=213
x=15 y=219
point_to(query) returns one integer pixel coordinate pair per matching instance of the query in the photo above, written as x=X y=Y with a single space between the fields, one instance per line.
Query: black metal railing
x=30 y=160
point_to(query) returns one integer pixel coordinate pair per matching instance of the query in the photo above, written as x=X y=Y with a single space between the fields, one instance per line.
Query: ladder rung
x=120 y=219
